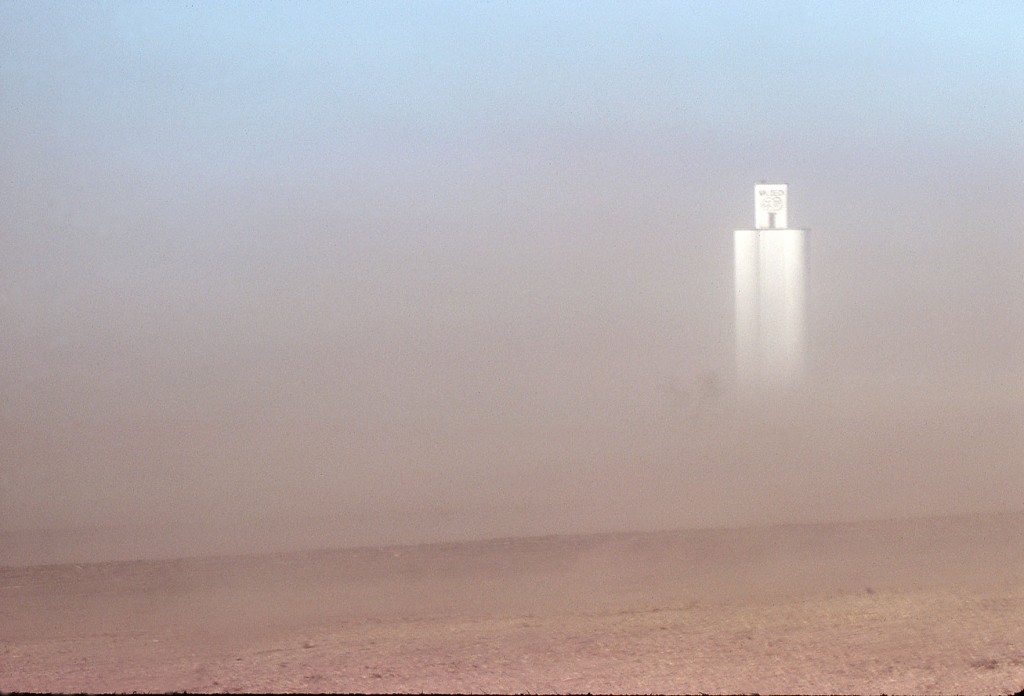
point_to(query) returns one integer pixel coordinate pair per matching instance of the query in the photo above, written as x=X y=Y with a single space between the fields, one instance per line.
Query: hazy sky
x=400 y=259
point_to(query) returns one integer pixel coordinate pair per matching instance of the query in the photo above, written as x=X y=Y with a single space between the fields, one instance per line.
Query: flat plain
x=902 y=606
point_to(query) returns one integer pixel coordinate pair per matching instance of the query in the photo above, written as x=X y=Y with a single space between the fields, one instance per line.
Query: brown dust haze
x=542 y=347
x=360 y=274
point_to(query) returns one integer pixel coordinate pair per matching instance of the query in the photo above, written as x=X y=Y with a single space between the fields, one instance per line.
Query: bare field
x=911 y=606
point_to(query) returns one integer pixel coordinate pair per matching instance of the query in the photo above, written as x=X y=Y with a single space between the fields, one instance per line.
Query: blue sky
x=478 y=219
x=226 y=83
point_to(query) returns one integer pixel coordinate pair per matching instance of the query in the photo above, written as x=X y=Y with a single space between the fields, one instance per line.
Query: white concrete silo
x=770 y=276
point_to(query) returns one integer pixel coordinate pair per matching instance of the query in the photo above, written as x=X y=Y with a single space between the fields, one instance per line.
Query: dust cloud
x=556 y=358
x=266 y=284
x=390 y=347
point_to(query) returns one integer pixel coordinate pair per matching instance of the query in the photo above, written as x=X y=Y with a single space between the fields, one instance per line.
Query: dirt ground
x=912 y=606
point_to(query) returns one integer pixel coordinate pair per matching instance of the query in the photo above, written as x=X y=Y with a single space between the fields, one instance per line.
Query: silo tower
x=770 y=267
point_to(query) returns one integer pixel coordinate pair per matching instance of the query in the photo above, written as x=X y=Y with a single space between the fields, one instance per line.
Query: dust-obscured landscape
x=929 y=605
x=376 y=346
